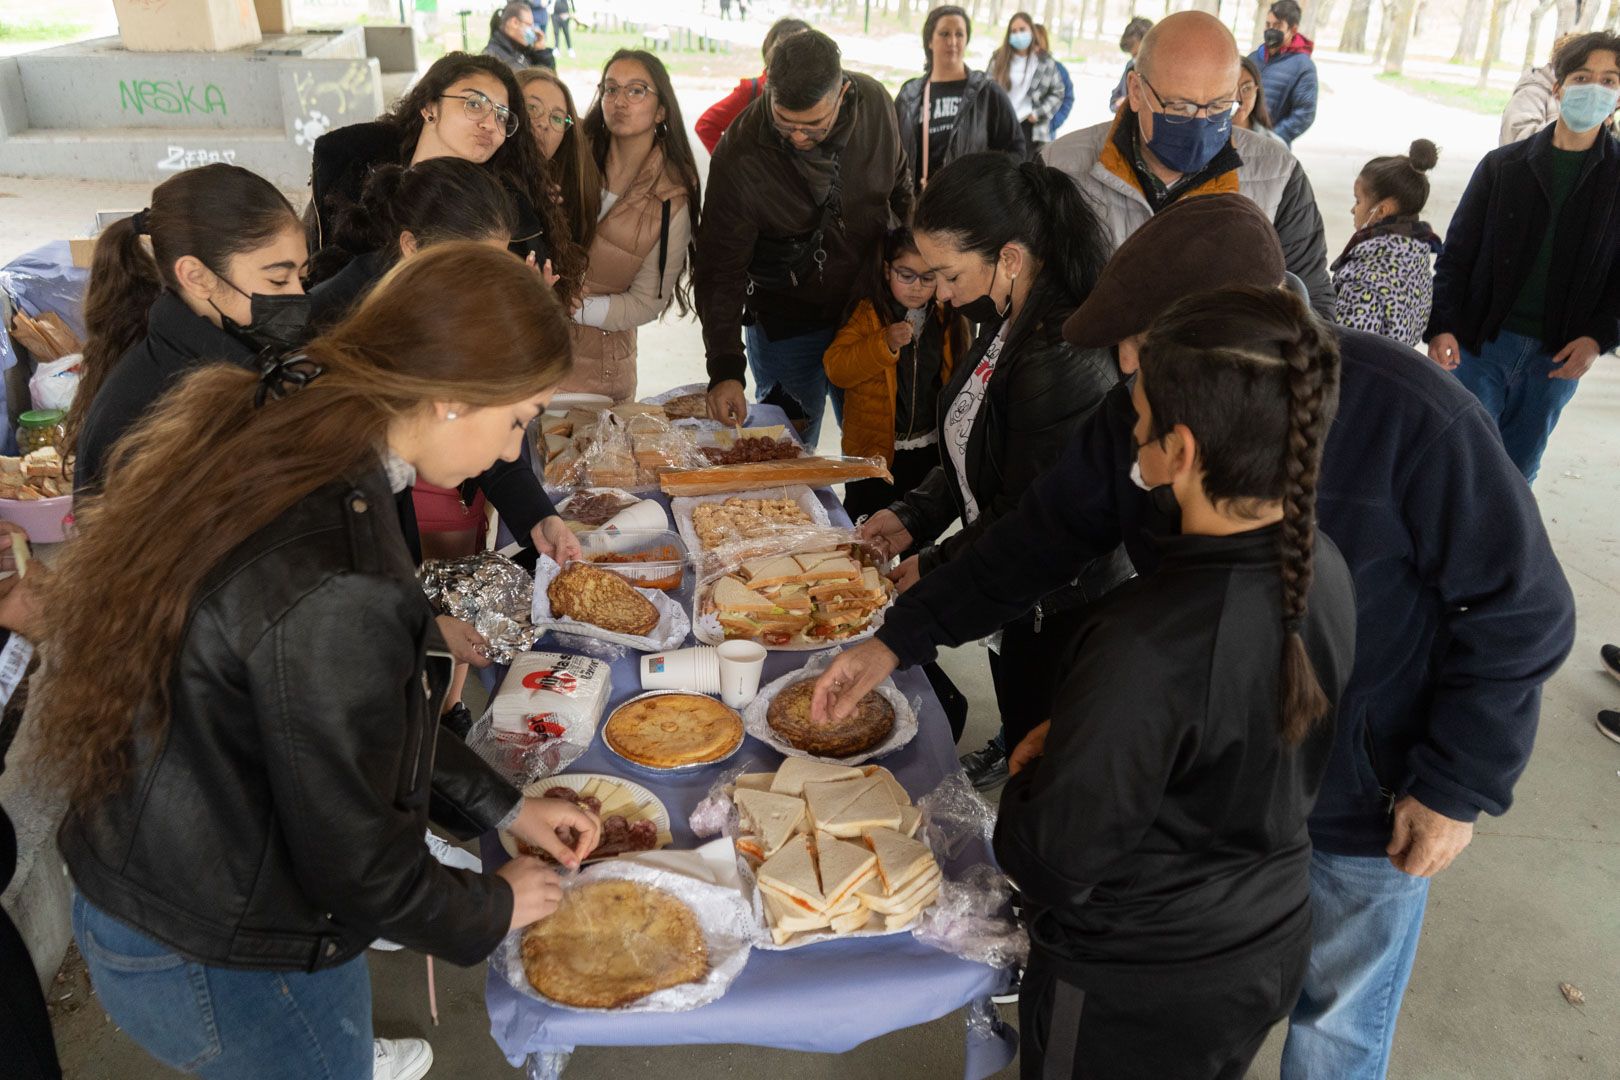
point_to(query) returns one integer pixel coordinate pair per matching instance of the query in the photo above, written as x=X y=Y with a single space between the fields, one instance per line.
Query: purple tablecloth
x=854 y=990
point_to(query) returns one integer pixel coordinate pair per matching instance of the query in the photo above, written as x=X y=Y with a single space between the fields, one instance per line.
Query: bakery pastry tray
x=681 y=508
x=757 y=723
x=724 y=919
x=655 y=558
x=654 y=771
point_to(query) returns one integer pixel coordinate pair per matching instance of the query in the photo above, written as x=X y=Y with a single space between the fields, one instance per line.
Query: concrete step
x=158 y=153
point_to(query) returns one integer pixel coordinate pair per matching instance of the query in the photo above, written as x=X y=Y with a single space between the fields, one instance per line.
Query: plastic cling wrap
x=804 y=588
x=973 y=917
x=492 y=593
x=723 y=919
x=669 y=633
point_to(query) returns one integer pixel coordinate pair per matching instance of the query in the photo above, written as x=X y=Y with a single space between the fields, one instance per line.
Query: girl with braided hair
x=1157 y=828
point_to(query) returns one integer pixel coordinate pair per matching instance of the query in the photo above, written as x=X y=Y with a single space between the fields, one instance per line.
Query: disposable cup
x=645 y=514
x=682 y=669
x=740 y=665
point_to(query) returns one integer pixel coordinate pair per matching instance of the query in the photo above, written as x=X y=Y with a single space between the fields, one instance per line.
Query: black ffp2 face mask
x=277 y=320
x=1273 y=38
x=983 y=309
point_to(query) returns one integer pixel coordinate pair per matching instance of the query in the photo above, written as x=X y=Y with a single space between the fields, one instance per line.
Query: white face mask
x=1136 y=476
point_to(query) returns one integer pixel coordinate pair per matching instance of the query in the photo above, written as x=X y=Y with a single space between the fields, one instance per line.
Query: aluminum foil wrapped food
x=492 y=593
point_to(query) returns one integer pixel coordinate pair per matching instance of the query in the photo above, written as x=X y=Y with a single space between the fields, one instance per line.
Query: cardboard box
x=187 y=25
x=275 y=16
x=84 y=249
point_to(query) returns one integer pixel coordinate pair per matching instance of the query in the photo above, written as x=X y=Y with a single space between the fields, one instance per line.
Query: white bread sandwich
x=844 y=868
x=828 y=798
x=791 y=875
x=797 y=771
x=769 y=816
x=899 y=857
x=873 y=808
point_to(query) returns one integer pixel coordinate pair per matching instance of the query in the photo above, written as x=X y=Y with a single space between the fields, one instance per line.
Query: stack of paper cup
x=740 y=665
x=683 y=669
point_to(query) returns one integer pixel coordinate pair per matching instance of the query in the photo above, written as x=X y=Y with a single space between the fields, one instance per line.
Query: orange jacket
x=860 y=363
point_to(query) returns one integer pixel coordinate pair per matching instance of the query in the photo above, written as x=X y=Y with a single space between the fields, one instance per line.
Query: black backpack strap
x=663 y=246
x=753 y=90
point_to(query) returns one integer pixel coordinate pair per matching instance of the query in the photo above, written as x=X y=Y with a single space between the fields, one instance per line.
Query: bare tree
x=1493 y=41
x=1531 y=55
x=1353 y=38
x=1612 y=22
x=1473 y=21
x=1385 y=11
x=1102 y=9
x=1400 y=32
x=1317 y=17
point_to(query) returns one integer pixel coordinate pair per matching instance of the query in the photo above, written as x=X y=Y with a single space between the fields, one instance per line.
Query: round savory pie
x=611 y=943
x=669 y=731
x=866 y=727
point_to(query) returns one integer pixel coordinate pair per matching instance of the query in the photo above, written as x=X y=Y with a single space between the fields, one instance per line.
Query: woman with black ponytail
x=404 y=211
x=1015 y=248
x=208 y=273
x=1158 y=831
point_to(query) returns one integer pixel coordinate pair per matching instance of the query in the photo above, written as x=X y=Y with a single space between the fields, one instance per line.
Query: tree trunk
x=1353 y=38
x=1612 y=22
x=1102 y=10
x=1417 y=17
x=1531 y=56
x=1047 y=17
x=1400 y=31
x=1568 y=14
x=1493 y=42
x=1473 y=21
x=1319 y=16
x=1260 y=9
x=1587 y=21
x=1383 y=31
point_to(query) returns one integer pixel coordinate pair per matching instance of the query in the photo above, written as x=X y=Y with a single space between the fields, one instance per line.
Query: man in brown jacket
x=802 y=189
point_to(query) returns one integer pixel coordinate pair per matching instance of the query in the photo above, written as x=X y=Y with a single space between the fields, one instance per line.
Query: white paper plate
x=646 y=801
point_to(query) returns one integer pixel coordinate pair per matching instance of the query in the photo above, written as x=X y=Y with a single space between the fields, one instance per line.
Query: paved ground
x=1530 y=905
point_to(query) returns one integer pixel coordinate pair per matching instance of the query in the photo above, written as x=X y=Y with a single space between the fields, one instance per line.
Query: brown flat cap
x=1195 y=245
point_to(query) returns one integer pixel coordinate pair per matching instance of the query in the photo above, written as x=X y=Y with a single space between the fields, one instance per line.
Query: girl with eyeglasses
x=640 y=249
x=892 y=358
x=464 y=106
x=573 y=177
x=1251 y=113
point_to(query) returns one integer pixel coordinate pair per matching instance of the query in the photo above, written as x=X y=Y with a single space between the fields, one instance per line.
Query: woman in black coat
x=1160 y=843
x=968 y=111
x=1015 y=248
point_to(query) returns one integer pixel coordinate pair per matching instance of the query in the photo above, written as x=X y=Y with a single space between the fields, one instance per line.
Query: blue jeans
x=794 y=364
x=1365 y=920
x=224 y=1024
x=1509 y=376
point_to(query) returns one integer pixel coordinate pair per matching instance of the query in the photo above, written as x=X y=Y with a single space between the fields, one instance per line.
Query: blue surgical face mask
x=530 y=35
x=1020 y=39
x=1585 y=107
x=1190 y=145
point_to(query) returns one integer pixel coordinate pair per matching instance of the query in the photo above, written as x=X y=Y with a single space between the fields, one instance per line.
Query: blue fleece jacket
x=1289 y=80
x=1067 y=105
x=1462 y=610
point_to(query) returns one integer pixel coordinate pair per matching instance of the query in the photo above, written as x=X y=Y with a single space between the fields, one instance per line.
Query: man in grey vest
x=1174 y=137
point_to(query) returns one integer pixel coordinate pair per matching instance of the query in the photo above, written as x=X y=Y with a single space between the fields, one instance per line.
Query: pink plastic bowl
x=44 y=519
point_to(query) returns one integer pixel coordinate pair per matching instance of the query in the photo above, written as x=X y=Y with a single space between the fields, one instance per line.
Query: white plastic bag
x=54 y=382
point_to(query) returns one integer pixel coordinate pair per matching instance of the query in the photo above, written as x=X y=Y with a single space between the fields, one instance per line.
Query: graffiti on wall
x=173 y=97
x=326 y=103
x=180 y=159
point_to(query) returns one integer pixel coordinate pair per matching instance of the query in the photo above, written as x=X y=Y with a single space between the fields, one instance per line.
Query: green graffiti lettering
x=170 y=97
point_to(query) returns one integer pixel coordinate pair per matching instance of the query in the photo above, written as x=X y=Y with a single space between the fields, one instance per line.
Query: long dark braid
x=1312 y=375
x=1255 y=377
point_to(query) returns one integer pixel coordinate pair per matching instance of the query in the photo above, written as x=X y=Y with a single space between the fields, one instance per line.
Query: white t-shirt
x=1021 y=76
x=959 y=421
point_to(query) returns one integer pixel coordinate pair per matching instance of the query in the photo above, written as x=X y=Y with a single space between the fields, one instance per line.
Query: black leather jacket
x=277 y=822
x=1041 y=390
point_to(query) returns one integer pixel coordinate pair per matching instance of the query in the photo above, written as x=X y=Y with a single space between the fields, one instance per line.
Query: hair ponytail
x=124 y=284
x=209 y=213
x=983 y=202
x=1255 y=377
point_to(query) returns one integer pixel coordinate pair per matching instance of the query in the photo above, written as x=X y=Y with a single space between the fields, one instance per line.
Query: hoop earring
x=661 y=130
x=1012 y=285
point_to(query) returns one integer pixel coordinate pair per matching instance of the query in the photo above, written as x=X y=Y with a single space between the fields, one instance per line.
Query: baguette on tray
x=811 y=471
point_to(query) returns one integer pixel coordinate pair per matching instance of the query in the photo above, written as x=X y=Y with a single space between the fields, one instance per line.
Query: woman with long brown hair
x=1022 y=67
x=573 y=172
x=242 y=700
x=1158 y=831
x=640 y=252
x=464 y=106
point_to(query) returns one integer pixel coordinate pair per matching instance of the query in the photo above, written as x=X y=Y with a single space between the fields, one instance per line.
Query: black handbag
x=782 y=264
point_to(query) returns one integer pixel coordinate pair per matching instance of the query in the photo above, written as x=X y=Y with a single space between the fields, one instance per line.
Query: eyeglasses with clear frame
x=479 y=105
x=634 y=93
x=1180 y=112
x=906 y=276
x=556 y=118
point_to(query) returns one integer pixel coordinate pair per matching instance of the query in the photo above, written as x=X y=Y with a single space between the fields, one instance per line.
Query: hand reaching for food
x=463 y=640
x=852 y=675
x=906 y=574
x=536 y=890
x=884 y=531
x=553 y=537
x=538 y=823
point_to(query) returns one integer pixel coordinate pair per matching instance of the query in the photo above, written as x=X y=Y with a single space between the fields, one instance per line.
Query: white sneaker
x=400 y=1059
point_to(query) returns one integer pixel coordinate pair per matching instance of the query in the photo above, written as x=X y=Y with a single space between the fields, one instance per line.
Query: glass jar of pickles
x=40 y=428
